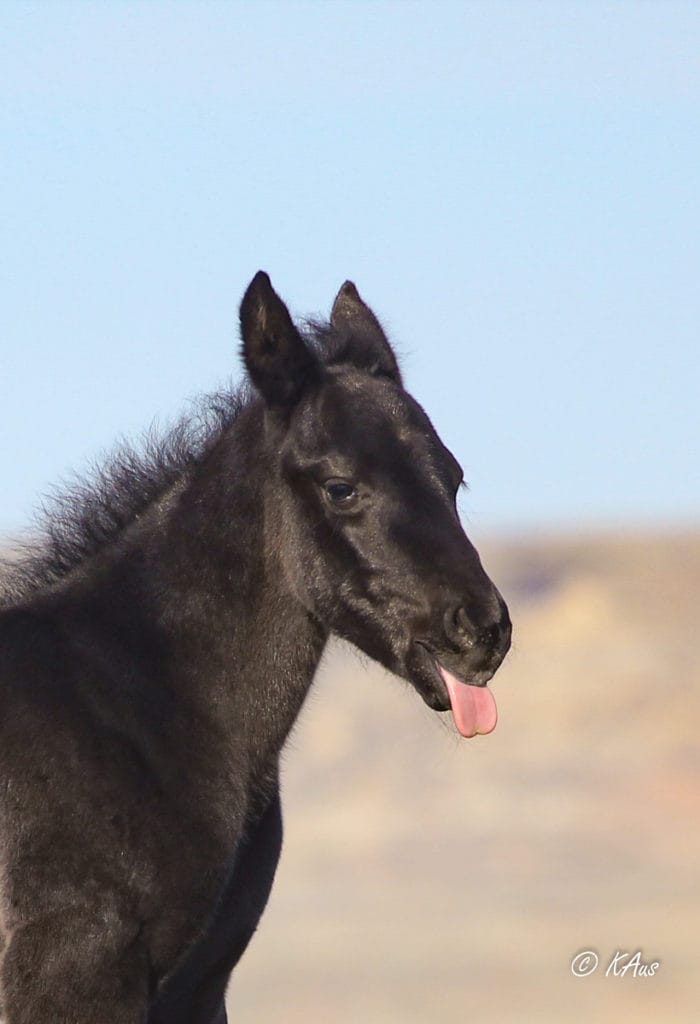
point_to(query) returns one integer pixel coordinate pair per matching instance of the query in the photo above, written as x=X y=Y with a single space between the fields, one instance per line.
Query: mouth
x=471 y=702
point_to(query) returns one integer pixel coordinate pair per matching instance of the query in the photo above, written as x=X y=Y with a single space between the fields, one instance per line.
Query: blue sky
x=512 y=186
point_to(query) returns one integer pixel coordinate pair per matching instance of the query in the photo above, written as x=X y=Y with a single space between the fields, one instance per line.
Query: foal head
x=362 y=497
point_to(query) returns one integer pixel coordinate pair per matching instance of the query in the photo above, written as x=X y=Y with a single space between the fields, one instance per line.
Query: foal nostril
x=457 y=626
x=479 y=631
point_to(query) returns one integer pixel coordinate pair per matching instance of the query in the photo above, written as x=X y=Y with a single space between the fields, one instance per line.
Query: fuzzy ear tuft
x=276 y=357
x=369 y=346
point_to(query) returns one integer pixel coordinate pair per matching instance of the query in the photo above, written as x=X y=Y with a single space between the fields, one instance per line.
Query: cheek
x=375 y=566
x=311 y=553
x=343 y=560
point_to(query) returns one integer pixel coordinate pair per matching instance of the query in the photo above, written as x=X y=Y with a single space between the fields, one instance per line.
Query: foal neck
x=245 y=645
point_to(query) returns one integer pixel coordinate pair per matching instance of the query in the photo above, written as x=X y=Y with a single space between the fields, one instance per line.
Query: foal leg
x=68 y=969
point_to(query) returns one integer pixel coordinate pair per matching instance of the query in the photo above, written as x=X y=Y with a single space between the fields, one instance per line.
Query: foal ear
x=278 y=362
x=370 y=347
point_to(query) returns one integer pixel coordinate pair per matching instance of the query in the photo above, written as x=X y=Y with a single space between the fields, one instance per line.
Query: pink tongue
x=473 y=707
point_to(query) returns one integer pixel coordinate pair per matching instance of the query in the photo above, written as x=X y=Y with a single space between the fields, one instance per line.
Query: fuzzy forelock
x=335 y=347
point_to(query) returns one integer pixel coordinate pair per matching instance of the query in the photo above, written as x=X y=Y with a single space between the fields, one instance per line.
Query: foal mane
x=91 y=511
x=85 y=517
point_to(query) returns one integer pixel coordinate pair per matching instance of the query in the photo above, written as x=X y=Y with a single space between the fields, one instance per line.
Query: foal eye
x=340 y=493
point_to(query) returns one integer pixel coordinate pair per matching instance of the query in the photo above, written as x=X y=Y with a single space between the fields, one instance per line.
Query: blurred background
x=514 y=189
